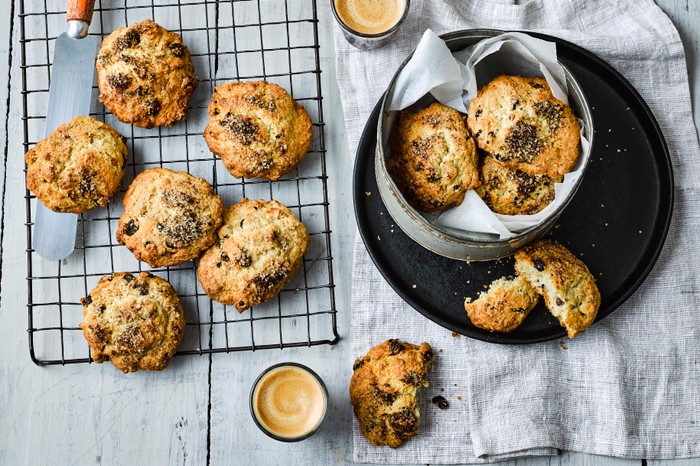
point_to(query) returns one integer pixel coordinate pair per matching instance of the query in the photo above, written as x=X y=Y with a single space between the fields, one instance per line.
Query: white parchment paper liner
x=453 y=79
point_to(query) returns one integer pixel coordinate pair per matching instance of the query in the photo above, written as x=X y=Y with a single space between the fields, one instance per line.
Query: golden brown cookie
x=568 y=288
x=433 y=159
x=384 y=390
x=257 y=129
x=520 y=123
x=136 y=322
x=80 y=166
x=504 y=306
x=145 y=75
x=260 y=249
x=511 y=191
x=169 y=217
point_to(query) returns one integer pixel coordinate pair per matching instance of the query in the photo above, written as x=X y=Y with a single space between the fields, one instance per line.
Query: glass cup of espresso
x=288 y=402
x=368 y=24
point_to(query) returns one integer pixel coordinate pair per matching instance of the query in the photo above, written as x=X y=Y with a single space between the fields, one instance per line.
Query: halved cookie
x=568 y=288
x=504 y=306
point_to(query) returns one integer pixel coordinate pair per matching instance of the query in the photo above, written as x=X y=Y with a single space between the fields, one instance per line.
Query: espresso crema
x=370 y=16
x=289 y=402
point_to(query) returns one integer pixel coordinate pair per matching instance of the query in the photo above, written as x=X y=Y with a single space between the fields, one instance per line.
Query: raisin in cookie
x=136 y=322
x=384 y=390
x=433 y=159
x=145 y=75
x=511 y=191
x=260 y=249
x=80 y=166
x=257 y=129
x=568 y=288
x=504 y=306
x=520 y=123
x=169 y=217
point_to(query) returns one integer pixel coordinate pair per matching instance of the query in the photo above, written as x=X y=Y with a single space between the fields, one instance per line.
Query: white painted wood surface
x=196 y=411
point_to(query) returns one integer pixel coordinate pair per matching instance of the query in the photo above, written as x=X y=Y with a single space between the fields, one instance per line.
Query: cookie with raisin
x=134 y=321
x=384 y=390
x=521 y=124
x=569 y=290
x=169 y=217
x=80 y=166
x=260 y=248
x=257 y=129
x=511 y=191
x=433 y=158
x=145 y=75
x=504 y=306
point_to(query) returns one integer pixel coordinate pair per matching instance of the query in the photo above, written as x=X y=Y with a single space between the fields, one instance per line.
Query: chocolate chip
x=241 y=224
x=131 y=227
x=441 y=402
x=559 y=301
x=358 y=363
x=518 y=310
x=87 y=300
x=128 y=277
x=478 y=114
x=538 y=264
x=536 y=85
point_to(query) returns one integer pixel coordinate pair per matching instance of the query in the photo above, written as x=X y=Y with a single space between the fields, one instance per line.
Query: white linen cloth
x=630 y=386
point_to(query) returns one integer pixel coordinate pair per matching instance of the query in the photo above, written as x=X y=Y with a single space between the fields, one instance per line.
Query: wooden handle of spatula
x=80 y=10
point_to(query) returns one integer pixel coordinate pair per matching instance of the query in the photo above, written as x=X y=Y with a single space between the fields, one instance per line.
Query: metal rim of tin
x=379 y=35
x=270 y=434
x=469 y=245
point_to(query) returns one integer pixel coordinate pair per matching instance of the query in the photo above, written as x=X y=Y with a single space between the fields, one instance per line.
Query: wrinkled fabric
x=630 y=386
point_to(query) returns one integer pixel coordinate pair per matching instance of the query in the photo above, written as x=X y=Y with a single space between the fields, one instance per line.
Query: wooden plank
x=683 y=462
x=233 y=374
x=82 y=414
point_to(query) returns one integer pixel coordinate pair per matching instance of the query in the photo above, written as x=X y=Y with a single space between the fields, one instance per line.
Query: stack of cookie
x=517 y=142
x=250 y=250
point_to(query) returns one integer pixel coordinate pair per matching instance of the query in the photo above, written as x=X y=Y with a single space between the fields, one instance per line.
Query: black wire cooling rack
x=274 y=40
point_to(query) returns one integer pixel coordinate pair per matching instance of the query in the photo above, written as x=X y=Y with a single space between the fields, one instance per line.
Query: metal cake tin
x=449 y=242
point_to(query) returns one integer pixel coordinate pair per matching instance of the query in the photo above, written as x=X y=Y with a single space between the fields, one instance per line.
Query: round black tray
x=616 y=223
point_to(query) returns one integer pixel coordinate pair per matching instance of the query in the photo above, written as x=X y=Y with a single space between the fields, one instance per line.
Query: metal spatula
x=70 y=93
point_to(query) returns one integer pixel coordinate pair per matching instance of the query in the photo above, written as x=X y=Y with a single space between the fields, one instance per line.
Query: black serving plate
x=616 y=223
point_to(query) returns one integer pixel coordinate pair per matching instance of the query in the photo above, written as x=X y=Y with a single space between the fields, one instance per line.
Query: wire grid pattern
x=275 y=40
